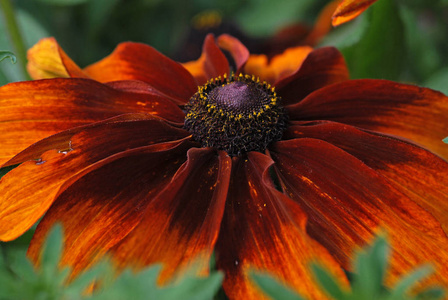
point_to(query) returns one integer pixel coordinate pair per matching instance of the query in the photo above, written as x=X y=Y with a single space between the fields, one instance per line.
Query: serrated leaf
x=328 y=282
x=274 y=288
x=8 y=54
x=381 y=51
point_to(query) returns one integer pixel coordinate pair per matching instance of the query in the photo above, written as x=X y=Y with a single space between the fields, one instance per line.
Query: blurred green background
x=402 y=40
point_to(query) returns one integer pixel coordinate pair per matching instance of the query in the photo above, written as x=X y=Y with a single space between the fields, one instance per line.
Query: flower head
x=275 y=165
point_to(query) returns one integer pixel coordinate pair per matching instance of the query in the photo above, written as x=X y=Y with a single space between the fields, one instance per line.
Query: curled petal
x=416 y=172
x=264 y=229
x=347 y=203
x=322 y=67
x=135 y=61
x=33 y=110
x=211 y=64
x=27 y=191
x=404 y=110
x=183 y=221
x=238 y=51
x=279 y=67
x=46 y=59
x=350 y=9
x=101 y=207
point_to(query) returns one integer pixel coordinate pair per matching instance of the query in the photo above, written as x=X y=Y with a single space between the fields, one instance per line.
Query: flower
x=350 y=9
x=120 y=158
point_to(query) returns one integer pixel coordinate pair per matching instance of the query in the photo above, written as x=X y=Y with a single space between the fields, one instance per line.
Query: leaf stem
x=15 y=35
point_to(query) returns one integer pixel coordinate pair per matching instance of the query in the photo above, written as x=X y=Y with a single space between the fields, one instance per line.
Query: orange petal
x=408 y=111
x=183 y=221
x=279 y=67
x=33 y=110
x=28 y=190
x=417 y=173
x=323 y=23
x=347 y=203
x=46 y=59
x=100 y=208
x=322 y=67
x=211 y=64
x=264 y=229
x=350 y=9
x=135 y=61
x=238 y=51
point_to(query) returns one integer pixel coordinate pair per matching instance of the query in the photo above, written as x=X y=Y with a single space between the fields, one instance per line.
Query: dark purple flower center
x=236 y=114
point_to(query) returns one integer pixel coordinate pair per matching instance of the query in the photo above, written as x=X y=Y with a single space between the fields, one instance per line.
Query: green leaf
x=370 y=268
x=445 y=140
x=405 y=284
x=63 y=2
x=438 y=81
x=8 y=54
x=273 y=287
x=348 y=34
x=98 y=12
x=328 y=282
x=264 y=17
x=381 y=51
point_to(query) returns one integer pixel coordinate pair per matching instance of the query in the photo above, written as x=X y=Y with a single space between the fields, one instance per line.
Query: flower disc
x=236 y=114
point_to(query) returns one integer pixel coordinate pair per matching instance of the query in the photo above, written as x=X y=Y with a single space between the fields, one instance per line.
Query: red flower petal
x=29 y=190
x=238 y=51
x=347 y=202
x=350 y=9
x=183 y=221
x=135 y=61
x=33 y=110
x=417 y=173
x=385 y=106
x=104 y=205
x=264 y=229
x=46 y=59
x=322 y=67
x=211 y=64
x=62 y=140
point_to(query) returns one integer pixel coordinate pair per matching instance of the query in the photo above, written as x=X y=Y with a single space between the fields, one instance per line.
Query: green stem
x=14 y=33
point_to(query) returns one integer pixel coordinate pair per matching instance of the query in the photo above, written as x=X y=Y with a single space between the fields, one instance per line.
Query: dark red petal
x=417 y=173
x=263 y=229
x=182 y=222
x=415 y=113
x=103 y=206
x=135 y=61
x=238 y=51
x=29 y=190
x=34 y=110
x=211 y=64
x=347 y=203
x=322 y=67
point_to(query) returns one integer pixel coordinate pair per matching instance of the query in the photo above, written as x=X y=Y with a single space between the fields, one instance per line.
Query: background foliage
x=401 y=40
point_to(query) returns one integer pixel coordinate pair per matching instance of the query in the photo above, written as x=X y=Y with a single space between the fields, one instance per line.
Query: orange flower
x=350 y=9
x=149 y=160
